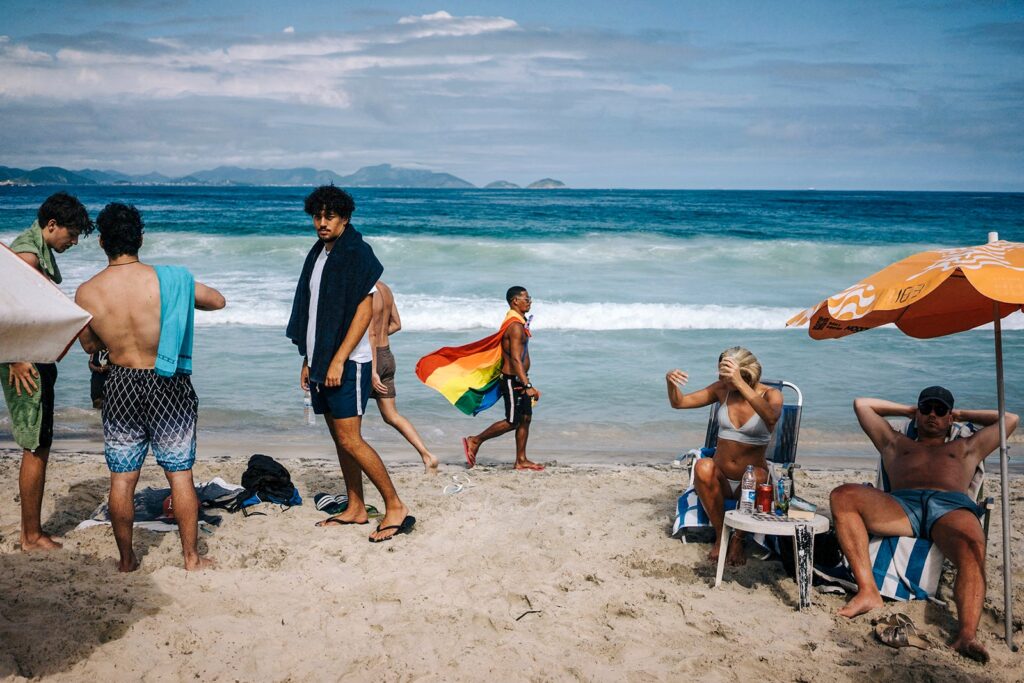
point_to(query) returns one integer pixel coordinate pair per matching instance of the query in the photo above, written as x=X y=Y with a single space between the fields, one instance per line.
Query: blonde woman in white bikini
x=747 y=415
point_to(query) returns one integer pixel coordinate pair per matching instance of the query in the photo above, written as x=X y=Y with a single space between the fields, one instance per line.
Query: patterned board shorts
x=141 y=410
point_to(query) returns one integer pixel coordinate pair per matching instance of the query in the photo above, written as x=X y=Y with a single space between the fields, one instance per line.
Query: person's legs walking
x=389 y=412
x=473 y=443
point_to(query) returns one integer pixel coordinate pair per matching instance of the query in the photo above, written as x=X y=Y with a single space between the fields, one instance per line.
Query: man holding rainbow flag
x=472 y=377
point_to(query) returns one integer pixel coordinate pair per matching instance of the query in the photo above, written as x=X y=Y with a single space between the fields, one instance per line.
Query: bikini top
x=754 y=432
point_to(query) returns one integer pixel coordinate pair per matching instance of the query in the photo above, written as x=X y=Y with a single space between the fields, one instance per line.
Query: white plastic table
x=773 y=525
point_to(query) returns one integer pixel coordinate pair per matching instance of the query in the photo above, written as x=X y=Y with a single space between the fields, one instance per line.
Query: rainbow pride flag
x=468 y=375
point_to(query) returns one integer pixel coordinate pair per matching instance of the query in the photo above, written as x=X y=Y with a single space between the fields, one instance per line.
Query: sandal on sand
x=404 y=528
x=895 y=619
x=470 y=458
x=904 y=635
x=461 y=482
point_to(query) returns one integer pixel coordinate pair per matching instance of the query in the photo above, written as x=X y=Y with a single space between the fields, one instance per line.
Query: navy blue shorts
x=348 y=400
x=924 y=507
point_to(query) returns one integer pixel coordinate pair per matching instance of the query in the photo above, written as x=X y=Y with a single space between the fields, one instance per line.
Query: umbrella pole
x=1005 y=483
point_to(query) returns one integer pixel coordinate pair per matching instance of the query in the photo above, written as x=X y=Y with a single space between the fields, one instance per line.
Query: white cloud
x=288 y=29
x=436 y=16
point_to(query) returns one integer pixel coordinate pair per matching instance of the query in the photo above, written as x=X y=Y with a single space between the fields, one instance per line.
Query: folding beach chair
x=907 y=568
x=781 y=451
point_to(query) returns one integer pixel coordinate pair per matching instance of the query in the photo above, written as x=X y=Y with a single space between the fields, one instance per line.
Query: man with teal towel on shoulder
x=143 y=315
x=28 y=387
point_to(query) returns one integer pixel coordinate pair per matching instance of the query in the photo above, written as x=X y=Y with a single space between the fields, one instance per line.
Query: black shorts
x=96 y=383
x=47 y=380
x=517 y=403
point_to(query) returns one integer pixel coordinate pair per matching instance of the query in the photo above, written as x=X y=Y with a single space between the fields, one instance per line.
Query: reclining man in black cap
x=929 y=475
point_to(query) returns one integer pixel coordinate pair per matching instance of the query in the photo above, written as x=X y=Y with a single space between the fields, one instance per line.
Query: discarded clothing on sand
x=149 y=507
x=265 y=480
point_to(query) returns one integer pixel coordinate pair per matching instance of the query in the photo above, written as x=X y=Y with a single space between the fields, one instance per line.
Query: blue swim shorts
x=141 y=410
x=348 y=400
x=924 y=507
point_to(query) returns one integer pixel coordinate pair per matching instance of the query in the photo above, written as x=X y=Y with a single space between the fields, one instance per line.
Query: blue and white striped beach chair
x=690 y=513
x=907 y=568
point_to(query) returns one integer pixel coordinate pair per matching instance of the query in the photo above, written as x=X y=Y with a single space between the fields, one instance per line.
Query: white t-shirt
x=362 y=353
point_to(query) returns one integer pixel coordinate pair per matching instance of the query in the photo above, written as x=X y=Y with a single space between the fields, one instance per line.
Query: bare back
x=125 y=304
x=383 y=314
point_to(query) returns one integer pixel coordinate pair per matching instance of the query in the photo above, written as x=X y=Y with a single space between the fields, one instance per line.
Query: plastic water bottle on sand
x=307 y=405
x=747 y=489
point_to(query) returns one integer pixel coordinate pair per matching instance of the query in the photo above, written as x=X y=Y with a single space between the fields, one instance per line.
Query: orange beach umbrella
x=932 y=294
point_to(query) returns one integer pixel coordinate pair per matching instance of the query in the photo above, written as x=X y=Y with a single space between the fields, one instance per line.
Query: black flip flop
x=404 y=528
x=334 y=521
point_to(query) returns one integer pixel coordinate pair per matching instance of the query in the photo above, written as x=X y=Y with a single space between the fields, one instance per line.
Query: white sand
x=587 y=548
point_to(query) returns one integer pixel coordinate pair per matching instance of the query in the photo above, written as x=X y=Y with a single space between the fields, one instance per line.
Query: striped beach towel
x=468 y=375
x=690 y=513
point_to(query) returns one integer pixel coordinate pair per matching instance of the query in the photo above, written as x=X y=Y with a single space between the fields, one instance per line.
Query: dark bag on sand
x=265 y=480
x=827 y=553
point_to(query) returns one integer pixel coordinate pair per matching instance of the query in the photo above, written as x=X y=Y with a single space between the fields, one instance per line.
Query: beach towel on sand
x=468 y=375
x=177 y=318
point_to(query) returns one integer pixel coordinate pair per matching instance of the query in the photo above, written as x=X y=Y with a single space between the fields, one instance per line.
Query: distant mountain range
x=382 y=175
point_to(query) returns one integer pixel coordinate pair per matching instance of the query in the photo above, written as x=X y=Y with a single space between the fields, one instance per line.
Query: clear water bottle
x=307 y=406
x=748 y=486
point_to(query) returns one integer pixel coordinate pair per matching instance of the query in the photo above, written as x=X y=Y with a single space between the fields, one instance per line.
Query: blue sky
x=858 y=95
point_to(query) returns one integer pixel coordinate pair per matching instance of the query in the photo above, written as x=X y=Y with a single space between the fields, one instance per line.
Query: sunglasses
x=929 y=407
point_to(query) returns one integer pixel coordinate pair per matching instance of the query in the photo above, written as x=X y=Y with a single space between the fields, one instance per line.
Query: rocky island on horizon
x=380 y=175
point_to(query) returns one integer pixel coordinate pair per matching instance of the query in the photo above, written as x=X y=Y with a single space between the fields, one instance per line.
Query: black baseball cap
x=936 y=393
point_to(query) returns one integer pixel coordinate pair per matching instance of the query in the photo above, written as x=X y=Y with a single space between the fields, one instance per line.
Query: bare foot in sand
x=528 y=465
x=734 y=557
x=198 y=563
x=861 y=603
x=470 y=445
x=430 y=463
x=128 y=564
x=393 y=517
x=970 y=648
x=713 y=555
x=42 y=542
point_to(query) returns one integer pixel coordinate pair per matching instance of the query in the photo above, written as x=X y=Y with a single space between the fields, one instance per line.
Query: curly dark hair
x=67 y=211
x=330 y=199
x=513 y=292
x=121 y=229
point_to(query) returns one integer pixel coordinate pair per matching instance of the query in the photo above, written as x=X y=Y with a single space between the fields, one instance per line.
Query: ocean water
x=626 y=285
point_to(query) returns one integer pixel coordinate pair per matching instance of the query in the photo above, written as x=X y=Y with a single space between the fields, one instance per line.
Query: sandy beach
x=568 y=574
